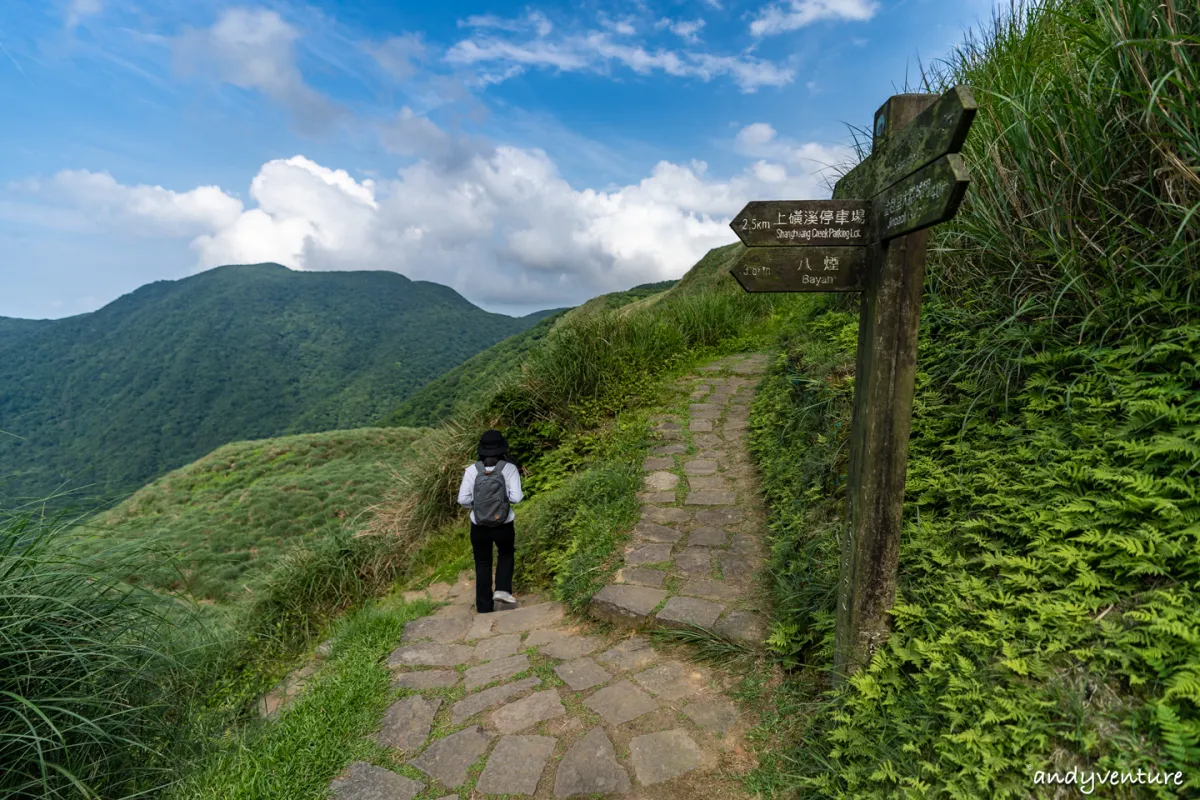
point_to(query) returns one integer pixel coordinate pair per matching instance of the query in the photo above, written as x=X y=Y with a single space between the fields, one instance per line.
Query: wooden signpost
x=870 y=238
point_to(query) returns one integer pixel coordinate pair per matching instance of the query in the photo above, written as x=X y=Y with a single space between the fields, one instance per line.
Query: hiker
x=489 y=487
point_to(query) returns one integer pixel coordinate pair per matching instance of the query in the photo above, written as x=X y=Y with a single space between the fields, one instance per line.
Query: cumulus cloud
x=796 y=14
x=140 y=209
x=501 y=224
x=255 y=49
x=508 y=47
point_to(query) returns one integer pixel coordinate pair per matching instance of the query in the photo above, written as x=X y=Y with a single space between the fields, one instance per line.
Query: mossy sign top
x=912 y=180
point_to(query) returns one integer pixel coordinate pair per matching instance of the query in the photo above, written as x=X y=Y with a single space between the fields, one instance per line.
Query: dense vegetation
x=228 y=516
x=161 y=376
x=1048 y=607
x=451 y=394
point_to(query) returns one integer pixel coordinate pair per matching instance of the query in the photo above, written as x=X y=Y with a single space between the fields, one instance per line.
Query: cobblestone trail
x=529 y=702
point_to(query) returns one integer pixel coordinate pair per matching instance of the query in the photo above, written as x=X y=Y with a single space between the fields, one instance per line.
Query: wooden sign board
x=939 y=129
x=925 y=198
x=802 y=223
x=809 y=269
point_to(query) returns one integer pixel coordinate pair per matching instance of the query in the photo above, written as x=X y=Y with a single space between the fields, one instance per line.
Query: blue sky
x=529 y=155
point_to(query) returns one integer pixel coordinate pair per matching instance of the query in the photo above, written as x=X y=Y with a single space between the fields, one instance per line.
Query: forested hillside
x=167 y=373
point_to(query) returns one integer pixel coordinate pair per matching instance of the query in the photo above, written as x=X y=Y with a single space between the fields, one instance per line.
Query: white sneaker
x=504 y=597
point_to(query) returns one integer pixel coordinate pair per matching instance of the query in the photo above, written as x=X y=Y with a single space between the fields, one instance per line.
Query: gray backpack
x=490 y=503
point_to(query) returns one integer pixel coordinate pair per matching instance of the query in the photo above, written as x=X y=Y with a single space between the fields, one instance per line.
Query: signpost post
x=870 y=238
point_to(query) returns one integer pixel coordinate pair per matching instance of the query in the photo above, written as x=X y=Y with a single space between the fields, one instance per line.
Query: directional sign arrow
x=802 y=223
x=925 y=198
x=813 y=269
x=940 y=129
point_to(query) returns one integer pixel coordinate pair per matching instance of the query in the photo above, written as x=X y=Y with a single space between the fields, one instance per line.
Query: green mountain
x=175 y=369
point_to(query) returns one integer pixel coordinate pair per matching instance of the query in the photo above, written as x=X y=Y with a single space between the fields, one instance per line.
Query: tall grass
x=92 y=670
x=1082 y=219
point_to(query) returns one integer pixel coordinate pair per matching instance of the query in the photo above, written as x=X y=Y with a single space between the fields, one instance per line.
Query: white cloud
x=255 y=49
x=501 y=225
x=535 y=21
x=688 y=30
x=141 y=209
x=400 y=55
x=78 y=10
x=796 y=14
x=597 y=51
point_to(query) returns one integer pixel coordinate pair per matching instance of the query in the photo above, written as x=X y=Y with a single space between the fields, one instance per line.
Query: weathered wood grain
x=925 y=198
x=802 y=223
x=940 y=129
x=812 y=269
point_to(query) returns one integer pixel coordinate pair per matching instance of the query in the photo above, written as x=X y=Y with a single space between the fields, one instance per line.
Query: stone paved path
x=530 y=702
x=696 y=554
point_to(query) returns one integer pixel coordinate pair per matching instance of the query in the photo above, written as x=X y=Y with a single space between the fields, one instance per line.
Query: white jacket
x=512 y=482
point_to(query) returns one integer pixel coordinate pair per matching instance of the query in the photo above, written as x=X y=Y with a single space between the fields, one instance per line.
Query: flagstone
x=700 y=466
x=528 y=711
x=666 y=516
x=526 y=619
x=425 y=679
x=744 y=626
x=516 y=765
x=642 y=576
x=682 y=611
x=472 y=704
x=653 y=532
x=710 y=483
x=719 y=516
x=363 y=781
x=664 y=755
x=705 y=587
x=582 y=673
x=707 y=536
x=671 y=680
x=448 y=759
x=632 y=653
x=590 y=767
x=626 y=603
x=695 y=561
x=711 y=498
x=621 y=702
x=442 y=629
x=407 y=722
x=430 y=654
x=495 y=670
x=648 y=554
x=498 y=647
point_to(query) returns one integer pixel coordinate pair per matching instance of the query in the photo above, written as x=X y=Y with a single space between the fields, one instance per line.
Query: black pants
x=482 y=539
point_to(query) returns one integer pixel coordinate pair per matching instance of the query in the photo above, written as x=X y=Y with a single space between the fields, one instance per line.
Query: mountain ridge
x=168 y=372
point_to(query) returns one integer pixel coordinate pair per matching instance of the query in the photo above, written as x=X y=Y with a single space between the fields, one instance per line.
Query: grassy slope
x=226 y=518
x=451 y=394
x=161 y=376
x=1049 y=561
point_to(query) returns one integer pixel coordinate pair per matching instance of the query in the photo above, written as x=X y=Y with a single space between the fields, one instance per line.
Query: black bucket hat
x=492 y=443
